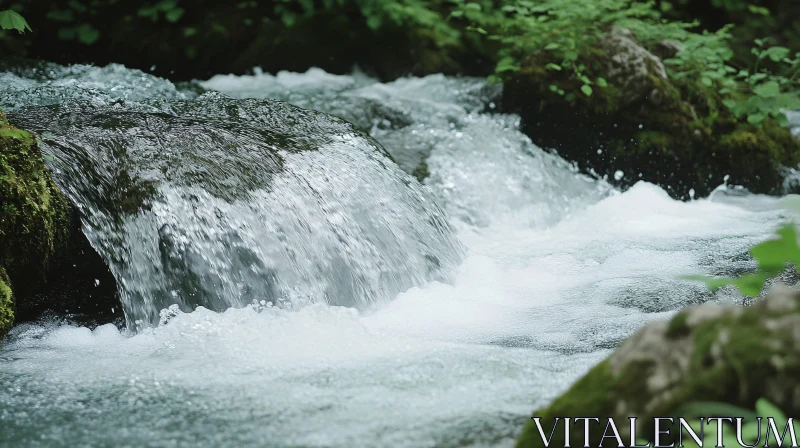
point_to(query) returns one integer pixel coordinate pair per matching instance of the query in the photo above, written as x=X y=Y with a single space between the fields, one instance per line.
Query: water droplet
x=618 y=175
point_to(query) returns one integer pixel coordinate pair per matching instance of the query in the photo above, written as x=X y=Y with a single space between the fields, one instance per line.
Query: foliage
x=772 y=257
x=756 y=93
x=377 y=14
x=752 y=432
x=73 y=24
x=568 y=35
x=565 y=36
x=11 y=20
x=169 y=8
x=566 y=31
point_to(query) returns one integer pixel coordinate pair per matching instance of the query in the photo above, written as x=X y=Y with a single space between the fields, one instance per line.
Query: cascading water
x=218 y=202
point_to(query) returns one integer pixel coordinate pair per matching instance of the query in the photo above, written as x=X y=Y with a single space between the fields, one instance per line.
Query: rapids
x=509 y=273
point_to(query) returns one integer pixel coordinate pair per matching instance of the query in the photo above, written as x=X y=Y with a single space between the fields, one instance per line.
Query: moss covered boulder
x=34 y=216
x=675 y=133
x=708 y=353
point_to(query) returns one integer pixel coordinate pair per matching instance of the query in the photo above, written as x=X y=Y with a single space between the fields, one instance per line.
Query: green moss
x=590 y=396
x=6 y=304
x=34 y=214
x=421 y=172
x=736 y=357
x=678 y=326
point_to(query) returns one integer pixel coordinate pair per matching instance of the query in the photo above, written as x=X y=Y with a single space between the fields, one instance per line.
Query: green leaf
x=288 y=19
x=769 y=89
x=765 y=408
x=776 y=54
x=507 y=64
x=586 y=89
x=60 y=16
x=697 y=409
x=552 y=66
x=10 y=20
x=87 y=34
x=756 y=118
x=773 y=254
x=601 y=82
x=750 y=432
x=173 y=15
x=750 y=285
x=758 y=10
x=374 y=22
x=472 y=7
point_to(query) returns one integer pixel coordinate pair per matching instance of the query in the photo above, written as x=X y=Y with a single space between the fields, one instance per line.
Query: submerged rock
x=675 y=133
x=707 y=353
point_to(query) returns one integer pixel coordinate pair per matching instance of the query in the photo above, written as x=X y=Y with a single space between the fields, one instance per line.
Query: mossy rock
x=673 y=133
x=6 y=304
x=716 y=353
x=34 y=216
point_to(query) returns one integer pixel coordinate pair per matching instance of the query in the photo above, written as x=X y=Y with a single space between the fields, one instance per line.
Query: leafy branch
x=11 y=20
x=772 y=257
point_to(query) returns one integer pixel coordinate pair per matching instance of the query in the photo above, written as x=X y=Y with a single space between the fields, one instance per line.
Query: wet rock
x=631 y=67
x=707 y=353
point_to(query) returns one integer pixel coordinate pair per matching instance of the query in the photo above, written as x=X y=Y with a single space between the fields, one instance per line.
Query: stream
x=287 y=281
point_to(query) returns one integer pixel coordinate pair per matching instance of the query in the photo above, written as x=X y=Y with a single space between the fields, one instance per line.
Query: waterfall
x=220 y=202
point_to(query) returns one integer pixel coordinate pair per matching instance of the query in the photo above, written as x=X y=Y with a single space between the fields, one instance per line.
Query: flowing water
x=286 y=284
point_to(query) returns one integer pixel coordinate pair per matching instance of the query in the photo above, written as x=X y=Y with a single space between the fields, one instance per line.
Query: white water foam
x=560 y=269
